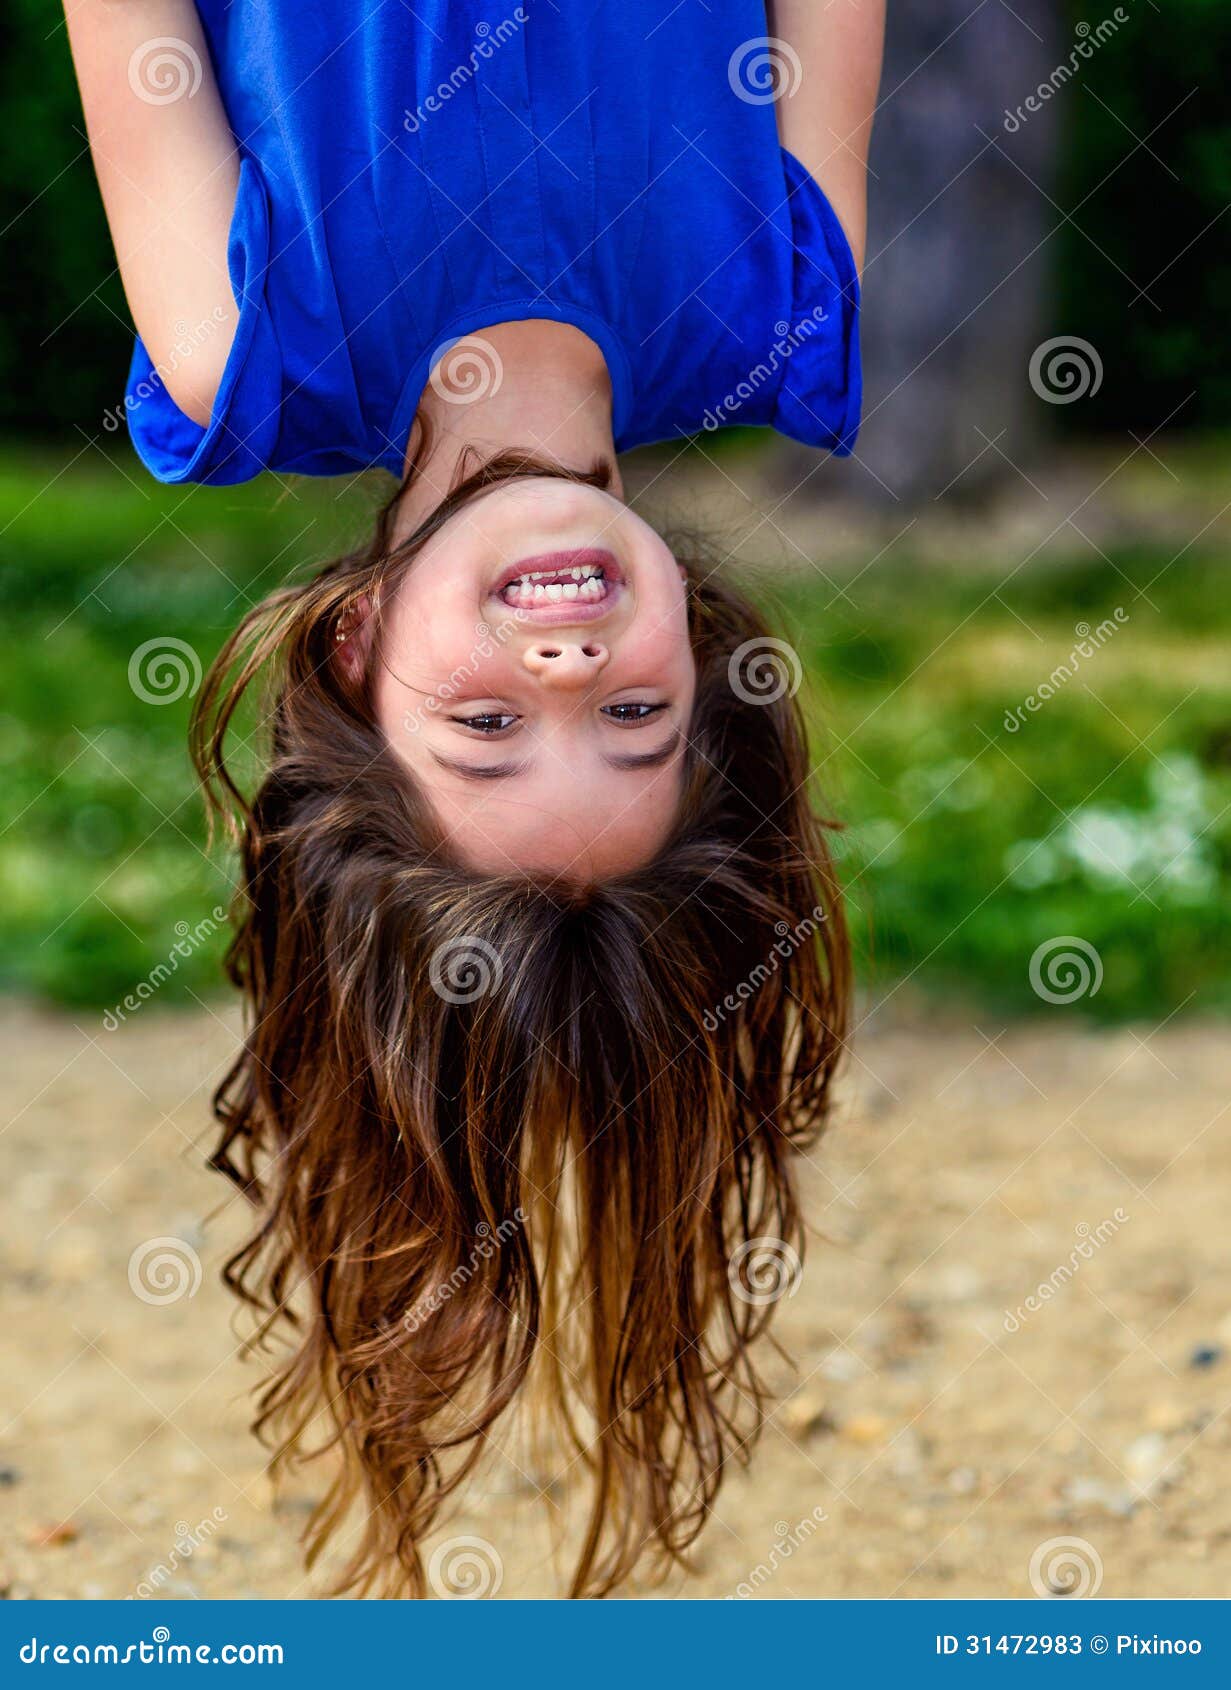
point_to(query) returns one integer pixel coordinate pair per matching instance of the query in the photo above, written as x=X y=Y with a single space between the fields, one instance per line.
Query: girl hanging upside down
x=539 y=936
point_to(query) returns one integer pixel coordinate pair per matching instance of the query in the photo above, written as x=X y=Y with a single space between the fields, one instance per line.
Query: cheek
x=435 y=642
x=663 y=643
x=422 y=676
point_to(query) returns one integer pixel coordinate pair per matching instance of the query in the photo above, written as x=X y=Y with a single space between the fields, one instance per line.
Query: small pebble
x=841 y=1366
x=1144 y=1454
x=865 y=1428
x=53 y=1537
x=805 y=1414
x=1206 y=1355
x=9 y=1476
x=1149 y=1464
x=906 y=1460
x=1097 y=1493
x=959 y=1282
x=1165 y=1415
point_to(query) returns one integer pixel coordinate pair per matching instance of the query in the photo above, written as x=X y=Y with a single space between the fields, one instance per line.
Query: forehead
x=582 y=824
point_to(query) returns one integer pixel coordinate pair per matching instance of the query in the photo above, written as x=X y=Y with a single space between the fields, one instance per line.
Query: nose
x=567 y=664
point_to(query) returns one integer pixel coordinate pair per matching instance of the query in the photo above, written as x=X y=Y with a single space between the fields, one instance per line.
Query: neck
x=537 y=385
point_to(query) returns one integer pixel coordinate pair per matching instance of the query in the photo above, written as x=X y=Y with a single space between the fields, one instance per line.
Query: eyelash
x=502 y=722
x=645 y=711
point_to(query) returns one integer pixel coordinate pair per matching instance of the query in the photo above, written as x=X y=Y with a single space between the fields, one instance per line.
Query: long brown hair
x=497 y=1129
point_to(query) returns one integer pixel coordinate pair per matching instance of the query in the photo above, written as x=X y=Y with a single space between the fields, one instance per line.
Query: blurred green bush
x=1104 y=814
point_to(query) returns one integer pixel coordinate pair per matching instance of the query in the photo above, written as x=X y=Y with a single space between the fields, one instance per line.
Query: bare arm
x=827 y=121
x=168 y=171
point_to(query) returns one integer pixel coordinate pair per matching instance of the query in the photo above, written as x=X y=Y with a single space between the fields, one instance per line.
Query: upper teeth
x=539 y=586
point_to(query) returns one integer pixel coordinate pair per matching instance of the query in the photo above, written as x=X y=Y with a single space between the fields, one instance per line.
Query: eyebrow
x=646 y=759
x=478 y=771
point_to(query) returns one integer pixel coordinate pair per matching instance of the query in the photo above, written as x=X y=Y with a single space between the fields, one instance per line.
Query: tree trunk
x=959 y=254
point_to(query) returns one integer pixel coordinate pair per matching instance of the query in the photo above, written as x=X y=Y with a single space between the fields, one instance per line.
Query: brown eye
x=489 y=723
x=632 y=712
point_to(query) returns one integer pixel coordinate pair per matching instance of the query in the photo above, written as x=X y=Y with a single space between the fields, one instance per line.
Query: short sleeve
x=822 y=389
x=243 y=430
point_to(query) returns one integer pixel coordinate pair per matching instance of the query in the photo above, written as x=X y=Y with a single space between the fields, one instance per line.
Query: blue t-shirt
x=413 y=175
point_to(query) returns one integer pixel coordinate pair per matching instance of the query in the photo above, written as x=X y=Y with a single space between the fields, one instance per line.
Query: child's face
x=547 y=725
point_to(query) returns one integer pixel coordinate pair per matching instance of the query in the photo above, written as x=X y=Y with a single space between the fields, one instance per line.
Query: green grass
x=1106 y=815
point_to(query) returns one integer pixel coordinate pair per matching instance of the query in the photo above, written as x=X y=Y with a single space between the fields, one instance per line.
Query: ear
x=352 y=639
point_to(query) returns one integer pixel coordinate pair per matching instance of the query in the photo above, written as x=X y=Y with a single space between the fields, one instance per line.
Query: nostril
x=592 y=650
x=547 y=651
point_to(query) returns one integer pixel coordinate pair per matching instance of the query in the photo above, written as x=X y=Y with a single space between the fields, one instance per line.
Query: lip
x=565 y=614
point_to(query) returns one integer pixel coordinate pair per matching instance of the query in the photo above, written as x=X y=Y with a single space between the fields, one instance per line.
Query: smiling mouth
x=563 y=586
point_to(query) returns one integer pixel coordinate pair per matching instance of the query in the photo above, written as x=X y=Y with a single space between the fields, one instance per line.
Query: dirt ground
x=923 y=1446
